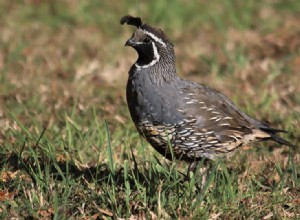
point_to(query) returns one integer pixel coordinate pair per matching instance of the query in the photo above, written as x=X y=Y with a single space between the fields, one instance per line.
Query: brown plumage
x=195 y=120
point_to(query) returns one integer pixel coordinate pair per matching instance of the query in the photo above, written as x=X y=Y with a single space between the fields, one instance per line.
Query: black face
x=144 y=47
x=145 y=51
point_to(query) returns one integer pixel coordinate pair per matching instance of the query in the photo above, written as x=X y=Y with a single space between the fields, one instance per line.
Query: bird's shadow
x=101 y=173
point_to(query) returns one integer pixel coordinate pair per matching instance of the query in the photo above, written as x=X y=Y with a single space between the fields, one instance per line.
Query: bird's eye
x=146 y=40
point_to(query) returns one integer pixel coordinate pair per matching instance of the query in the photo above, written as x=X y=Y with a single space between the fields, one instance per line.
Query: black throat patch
x=148 y=55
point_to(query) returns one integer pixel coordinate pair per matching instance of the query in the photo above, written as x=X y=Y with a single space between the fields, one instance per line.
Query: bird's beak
x=130 y=42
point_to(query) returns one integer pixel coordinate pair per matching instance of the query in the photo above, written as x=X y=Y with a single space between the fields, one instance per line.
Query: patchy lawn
x=68 y=148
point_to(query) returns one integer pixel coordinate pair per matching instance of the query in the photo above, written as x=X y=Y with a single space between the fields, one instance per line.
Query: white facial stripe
x=158 y=40
x=154 y=61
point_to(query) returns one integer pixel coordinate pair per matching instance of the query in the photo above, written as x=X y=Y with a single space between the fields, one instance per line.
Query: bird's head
x=151 y=43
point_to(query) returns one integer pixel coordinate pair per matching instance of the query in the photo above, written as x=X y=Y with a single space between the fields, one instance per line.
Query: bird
x=180 y=118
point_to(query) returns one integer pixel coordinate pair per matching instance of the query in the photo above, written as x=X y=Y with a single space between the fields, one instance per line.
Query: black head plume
x=135 y=21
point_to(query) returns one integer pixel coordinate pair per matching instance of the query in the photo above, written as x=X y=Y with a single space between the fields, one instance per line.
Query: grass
x=68 y=148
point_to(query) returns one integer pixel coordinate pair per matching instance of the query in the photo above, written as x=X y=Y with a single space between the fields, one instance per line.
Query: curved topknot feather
x=130 y=20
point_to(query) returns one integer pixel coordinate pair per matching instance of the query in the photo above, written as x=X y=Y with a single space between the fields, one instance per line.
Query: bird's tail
x=275 y=137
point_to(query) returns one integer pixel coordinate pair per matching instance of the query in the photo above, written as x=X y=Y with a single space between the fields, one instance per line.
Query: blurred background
x=61 y=58
x=63 y=73
x=63 y=68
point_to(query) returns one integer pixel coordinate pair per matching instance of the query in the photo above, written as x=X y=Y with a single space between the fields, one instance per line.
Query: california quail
x=196 y=120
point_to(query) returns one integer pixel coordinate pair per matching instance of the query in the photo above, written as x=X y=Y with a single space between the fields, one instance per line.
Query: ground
x=68 y=148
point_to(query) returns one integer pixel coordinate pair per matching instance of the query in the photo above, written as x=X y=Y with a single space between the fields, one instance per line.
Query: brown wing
x=215 y=112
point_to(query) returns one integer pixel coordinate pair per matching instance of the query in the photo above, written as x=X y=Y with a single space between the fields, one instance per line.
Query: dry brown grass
x=63 y=67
